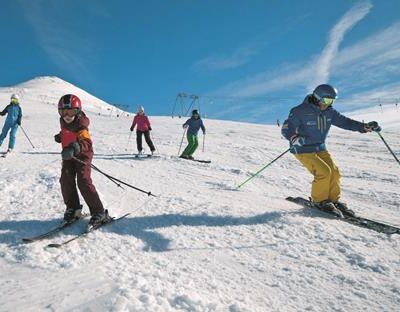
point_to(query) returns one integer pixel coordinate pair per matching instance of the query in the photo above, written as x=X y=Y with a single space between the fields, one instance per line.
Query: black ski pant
x=146 y=137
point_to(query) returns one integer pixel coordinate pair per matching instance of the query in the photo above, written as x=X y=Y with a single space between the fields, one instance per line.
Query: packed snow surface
x=201 y=244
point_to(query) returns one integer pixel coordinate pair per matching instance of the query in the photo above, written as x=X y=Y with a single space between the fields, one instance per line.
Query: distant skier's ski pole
x=152 y=139
x=240 y=185
x=27 y=136
x=204 y=140
x=388 y=147
x=180 y=146
x=129 y=140
x=113 y=179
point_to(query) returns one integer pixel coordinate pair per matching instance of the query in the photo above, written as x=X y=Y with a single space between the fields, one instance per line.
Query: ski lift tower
x=186 y=102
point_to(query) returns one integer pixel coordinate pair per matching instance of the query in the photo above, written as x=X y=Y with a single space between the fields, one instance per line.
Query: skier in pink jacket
x=143 y=127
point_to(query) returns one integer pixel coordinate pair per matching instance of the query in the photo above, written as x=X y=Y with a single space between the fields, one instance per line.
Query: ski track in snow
x=201 y=245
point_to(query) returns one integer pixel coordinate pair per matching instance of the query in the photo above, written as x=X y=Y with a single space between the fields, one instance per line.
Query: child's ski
x=52 y=232
x=83 y=234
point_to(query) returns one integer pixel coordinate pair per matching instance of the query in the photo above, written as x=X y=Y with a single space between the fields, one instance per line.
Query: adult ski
x=201 y=161
x=197 y=160
x=51 y=232
x=83 y=234
x=143 y=155
x=377 y=226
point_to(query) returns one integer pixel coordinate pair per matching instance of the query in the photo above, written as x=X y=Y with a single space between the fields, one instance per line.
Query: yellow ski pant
x=326 y=184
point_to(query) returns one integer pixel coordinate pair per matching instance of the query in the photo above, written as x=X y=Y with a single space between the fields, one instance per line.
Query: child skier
x=193 y=124
x=143 y=127
x=307 y=128
x=12 y=122
x=77 y=154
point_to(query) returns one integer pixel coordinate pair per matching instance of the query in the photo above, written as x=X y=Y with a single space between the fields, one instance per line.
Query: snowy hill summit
x=49 y=90
x=201 y=244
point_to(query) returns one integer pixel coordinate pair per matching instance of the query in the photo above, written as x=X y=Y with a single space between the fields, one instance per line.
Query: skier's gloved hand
x=57 y=138
x=131 y=128
x=373 y=126
x=297 y=140
x=185 y=126
x=70 y=151
x=150 y=129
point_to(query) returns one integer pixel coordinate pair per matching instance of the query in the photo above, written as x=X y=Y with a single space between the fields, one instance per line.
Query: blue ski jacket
x=194 y=125
x=14 y=116
x=313 y=124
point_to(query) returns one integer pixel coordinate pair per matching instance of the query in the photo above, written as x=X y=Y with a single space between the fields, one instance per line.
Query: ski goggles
x=326 y=101
x=70 y=112
x=14 y=101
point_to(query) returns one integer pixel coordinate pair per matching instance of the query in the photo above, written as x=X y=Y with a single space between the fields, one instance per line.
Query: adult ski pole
x=263 y=168
x=27 y=136
x=152 y=140
x=129 y=140
x=388 y=147
x=180 y=146
x=204 y=140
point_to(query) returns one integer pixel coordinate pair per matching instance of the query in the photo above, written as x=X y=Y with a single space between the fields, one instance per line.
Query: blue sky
x=247 y=60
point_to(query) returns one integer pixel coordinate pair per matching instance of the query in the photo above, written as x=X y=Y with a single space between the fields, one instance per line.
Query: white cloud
x=59 y=43
x=387 y=94
x=323 y=64
x=364 y=71
x=371 y=61
x=366 y=63
x=239 y=57
x=284 y=77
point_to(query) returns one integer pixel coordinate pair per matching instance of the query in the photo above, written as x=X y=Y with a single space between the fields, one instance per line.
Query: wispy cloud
x=364 y=72
x=264 y=83
x=323 y=63
x=58 y=42
x=304 y=74
x=243 y=55
x=385 y=94
x=222 y=62
x=371 y=61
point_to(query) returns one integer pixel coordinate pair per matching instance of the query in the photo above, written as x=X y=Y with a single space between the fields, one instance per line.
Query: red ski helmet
x=69 y=101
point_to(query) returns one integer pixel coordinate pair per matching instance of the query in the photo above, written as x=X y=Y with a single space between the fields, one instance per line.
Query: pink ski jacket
x=142 y=122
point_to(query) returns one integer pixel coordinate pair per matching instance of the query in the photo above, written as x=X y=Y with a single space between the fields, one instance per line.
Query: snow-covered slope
x=200 y=245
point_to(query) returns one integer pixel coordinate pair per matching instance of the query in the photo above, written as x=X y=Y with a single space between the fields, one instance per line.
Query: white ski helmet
x=15 y=97
x=140 y=109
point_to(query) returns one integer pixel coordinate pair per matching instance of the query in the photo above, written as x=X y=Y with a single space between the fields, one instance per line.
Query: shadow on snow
x=143 y=228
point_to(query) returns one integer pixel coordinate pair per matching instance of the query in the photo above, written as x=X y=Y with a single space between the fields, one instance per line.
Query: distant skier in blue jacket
x=194 y=124
x=307 y=128
x=13 y=120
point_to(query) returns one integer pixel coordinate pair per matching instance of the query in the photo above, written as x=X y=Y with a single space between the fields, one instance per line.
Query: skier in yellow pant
x=326 y=184
x=307 y=128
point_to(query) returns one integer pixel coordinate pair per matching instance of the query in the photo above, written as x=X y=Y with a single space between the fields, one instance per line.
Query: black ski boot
x=72 y=214
x=329 y=207
x=99 y=218
x=344 y=209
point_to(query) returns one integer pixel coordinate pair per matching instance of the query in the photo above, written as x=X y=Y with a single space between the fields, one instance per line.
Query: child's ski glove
x=57 y=138
x=70 y=151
